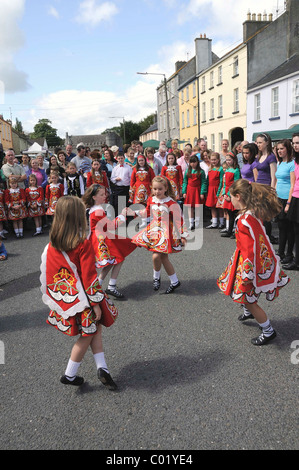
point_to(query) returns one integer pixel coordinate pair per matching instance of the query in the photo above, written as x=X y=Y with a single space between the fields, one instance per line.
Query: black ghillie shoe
x=262 y=339
x=77 y=380
x=115 y=293
x=172 y=287
x=244 y=317
x=156 y=284
x=106 y=379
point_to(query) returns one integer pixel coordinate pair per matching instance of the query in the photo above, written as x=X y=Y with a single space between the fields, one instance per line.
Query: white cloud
x=91 y=12
x=11 y=40
x=90 y=112
x=53 y=12
x=212 y=15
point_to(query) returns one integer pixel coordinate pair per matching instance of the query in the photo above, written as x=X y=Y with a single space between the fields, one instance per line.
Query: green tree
x=43 y=129
x=18 y=126
x=132 y=129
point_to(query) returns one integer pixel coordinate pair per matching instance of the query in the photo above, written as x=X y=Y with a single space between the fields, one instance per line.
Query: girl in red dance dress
x=110 y=250
x=194 y=189
x=98 y=176
x=254 y=267
x=215 y=181
x=15 y=201
x=173 y=173
x=54 y=191
x=231 y=174
x=71 y=290
x=35 y=203
x=165 y=234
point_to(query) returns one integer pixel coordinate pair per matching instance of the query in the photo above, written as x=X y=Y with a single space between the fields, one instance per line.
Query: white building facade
x=273 y=106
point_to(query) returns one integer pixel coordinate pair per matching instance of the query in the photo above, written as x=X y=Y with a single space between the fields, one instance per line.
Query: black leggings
x=296 y=227
x=286 y=236
x=232 y=217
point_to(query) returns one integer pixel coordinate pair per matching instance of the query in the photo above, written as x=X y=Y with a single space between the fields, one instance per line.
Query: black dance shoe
x=244 y=317
x=292 y=266
x=77 y=380
x=172 y=287
x=212 y=226
x=262 y=339
x=115 y=293
x=226 y=234
x=106 y=379
x=287 y=259
x=156 y=284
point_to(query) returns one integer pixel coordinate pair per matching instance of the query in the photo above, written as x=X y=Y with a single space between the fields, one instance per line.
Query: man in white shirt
x=120 y=182
x=162 y=154
x=12 y=168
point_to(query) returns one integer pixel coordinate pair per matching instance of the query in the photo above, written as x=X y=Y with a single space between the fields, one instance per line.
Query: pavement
x=188 y=376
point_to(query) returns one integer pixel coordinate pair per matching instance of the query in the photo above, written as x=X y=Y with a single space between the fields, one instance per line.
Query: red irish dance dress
x=35 y=201
x=52 y=194
x=194 y=186
x=13 y=198
x=215 y=178
x=254 y=268
x=230 y=176
x=70 y=288
x=109 y=248
x=97 y=178
x=2 y=205
x=175 y=175
x=140 y=185
x=164 y=233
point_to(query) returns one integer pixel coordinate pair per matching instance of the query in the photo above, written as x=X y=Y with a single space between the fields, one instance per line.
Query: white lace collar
x=160 y=201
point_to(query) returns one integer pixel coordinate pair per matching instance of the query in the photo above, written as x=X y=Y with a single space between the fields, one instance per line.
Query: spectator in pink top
x=184 y=160
x=293 y=211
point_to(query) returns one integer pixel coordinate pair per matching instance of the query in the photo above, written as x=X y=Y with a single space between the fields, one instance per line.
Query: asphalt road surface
x=188 y=376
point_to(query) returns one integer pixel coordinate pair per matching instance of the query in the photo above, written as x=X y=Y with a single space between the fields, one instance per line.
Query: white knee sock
x=267 y=328
x=72 y=369
x=99 y=359
x=112 y=284
x=157 y=274
x=173 y=279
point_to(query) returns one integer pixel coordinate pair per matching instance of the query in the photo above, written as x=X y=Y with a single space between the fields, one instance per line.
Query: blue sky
x=75 y=62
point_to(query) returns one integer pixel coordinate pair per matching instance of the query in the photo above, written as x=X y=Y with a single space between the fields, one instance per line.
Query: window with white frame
x=183 y=120
x=203 y=84
x=187 y=93
x=194 y=89
x=275 y=102
x=161 y=122
x=211 y=79
x=182 y=97
x=204 y=112
x=194 y=116
x=188 y=118
x=220 y=139
x=236 y=66
x=296 y=96
x=213 y=142
x=212 y=110
x=236 y=100
x=257 y=107
x=220 y=74
x=173 y=118
x=220 y=106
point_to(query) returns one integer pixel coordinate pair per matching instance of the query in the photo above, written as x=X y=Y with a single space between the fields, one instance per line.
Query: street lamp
x=120 y=117
x=166 y=96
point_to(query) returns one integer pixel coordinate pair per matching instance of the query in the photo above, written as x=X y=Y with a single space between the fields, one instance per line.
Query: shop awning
x=278 y=135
